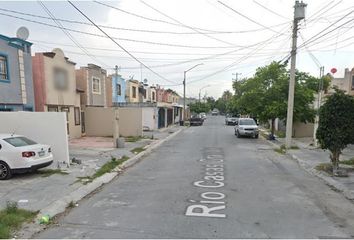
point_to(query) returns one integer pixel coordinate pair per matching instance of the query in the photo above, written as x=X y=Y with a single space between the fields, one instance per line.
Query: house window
x=4 y=75
x=52 y=109
x=134 y=92
x=352 y=82
x=77 y=115
x=153 y=96
x=96 y=87
x=119 y=89
x=61 y=81
x=67 y=110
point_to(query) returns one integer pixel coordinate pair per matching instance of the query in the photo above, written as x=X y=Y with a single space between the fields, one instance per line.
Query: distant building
x=118 y=89
x=16 y=84
x=55 y=88
x=345 y=83
x=151 y=94
x=131 y=91
x=96 y=87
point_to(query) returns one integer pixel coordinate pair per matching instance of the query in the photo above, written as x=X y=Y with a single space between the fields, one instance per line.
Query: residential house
x=131 y=91
x=151 y=94
x=143 y=92
x=16 y=84
x=345 y=83
x=55 y=88
x=96 y=87
x=118 y=89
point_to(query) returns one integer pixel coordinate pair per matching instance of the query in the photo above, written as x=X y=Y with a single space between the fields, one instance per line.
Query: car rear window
x=247 y=122
x=19 y=141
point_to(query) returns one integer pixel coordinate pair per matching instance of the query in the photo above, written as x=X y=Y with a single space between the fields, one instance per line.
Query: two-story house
x=16 y=84
x=55 y=88
x=151 y=94
x=132 y=91
x=96 y=87
x=118 y=89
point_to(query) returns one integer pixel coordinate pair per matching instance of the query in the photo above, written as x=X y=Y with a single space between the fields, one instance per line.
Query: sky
x=167 y=37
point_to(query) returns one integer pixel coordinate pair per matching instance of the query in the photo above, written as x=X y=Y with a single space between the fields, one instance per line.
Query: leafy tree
x=335 y=128
x=199 y=107
x=265 y=95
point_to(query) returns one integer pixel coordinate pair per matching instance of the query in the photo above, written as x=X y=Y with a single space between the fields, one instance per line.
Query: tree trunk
x=335 y=160
x=273 y=127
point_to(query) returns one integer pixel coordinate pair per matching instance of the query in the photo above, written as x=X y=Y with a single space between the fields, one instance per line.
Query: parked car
x=231 y=120
x=196 y=120
x=203 y=115
x=19 y=154
x=214 y=113
x=246 y=127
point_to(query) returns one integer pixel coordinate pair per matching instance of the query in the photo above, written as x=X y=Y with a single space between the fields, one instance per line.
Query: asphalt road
x=206 y=183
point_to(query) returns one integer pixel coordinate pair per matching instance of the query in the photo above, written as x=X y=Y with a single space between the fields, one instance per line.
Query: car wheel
x=256 y=136
x=5 y=171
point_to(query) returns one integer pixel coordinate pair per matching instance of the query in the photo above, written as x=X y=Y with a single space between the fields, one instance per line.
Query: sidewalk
x=34 y=191
x=309 y=157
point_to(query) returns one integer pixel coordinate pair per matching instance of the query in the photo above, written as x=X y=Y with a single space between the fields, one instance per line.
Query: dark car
x=196 y=120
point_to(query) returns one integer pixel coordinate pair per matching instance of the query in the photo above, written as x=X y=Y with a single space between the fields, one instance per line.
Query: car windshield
x=247 y=122
x=19 y=141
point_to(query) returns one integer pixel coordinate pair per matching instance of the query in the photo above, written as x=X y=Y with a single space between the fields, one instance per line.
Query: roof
x=15 y=42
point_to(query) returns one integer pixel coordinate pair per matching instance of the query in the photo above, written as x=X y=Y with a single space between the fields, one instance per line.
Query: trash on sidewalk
x=45 y=219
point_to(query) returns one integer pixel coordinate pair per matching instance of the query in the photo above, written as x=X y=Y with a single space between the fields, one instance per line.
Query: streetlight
x=184 y=90
x=200 y=90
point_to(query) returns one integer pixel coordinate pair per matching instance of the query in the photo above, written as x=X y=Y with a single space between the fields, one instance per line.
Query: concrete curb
x=327 y=179
x=59 y=206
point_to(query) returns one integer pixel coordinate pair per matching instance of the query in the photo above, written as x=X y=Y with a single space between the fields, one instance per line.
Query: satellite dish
x=22 y=33
x=145 y=80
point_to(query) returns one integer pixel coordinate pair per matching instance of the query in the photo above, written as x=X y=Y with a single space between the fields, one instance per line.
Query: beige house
x=132 y=91
x=55 y=88
x=151 y=94
x=96 y=86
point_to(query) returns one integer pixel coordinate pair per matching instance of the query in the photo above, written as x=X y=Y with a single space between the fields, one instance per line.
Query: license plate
x=41 y=153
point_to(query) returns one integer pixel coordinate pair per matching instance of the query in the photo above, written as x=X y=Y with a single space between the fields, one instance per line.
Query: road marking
x=212 y=202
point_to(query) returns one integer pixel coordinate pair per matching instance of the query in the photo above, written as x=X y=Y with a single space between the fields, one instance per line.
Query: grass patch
x=348 y=162
x=12 y=218
x=137 y=150
x=280 y=134
x=135 y=138
x=106 y=168
x=325 y=167
x=49 y=172
x=281 y=150
x=294 y=147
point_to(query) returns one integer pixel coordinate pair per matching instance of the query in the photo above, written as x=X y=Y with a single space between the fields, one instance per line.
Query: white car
x=246 y=127
x=19 y=154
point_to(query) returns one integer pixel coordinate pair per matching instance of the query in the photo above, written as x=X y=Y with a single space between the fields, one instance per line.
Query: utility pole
x=299 y=14
x=319 y=103
x=184 y=90
x=236 y=76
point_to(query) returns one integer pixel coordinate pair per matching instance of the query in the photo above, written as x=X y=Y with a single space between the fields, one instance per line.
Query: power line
x=120 y=46
x=69 y=35
x=186 y=26
x=121 y=39
x=249 y=19
x=269 y=10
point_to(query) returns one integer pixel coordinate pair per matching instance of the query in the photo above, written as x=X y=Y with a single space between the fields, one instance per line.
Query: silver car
x=246 y=127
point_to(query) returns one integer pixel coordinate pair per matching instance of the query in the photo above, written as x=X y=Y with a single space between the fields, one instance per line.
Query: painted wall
x=345 y=83
x=41 y=127
x=99 y=121
x=129 y=91
x=11 y=94
x=130 y=122
x=149 y=118
x=303 y=129
x=115 y=97
x=84 y=80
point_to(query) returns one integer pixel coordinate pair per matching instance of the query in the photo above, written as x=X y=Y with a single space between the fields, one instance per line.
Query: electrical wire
x=119 y=45
x=270 y=10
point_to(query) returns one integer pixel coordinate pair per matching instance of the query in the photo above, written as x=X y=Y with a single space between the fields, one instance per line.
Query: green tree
x=265 y=95
x=335 y=128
